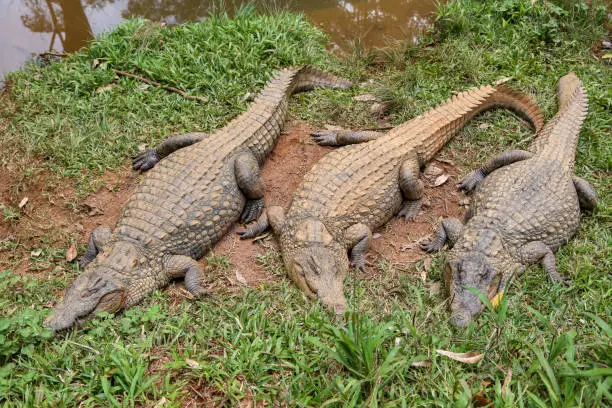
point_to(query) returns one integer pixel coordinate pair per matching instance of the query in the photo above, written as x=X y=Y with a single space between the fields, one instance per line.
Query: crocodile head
x=486 y=267
x=317 y=263
x=99 y=288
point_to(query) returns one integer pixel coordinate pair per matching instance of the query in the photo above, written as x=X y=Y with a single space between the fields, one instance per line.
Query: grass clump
x=545 y=345
x=78 y=116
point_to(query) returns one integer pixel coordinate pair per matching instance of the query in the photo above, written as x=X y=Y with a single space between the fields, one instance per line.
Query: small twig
x=53 y=54
x=166 y=87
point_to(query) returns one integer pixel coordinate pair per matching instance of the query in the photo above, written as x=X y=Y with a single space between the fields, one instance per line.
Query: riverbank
x=68 y=130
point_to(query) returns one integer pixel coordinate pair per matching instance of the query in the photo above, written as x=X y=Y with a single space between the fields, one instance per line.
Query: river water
x=30 y=27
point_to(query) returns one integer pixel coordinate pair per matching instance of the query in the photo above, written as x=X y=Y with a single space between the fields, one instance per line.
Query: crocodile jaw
x=471 y=270
x=92 y=292
x=320 y=272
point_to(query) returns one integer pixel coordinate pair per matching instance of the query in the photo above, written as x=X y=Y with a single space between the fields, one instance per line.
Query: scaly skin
x=183 y=206
x=358 y=188
x=526 y=205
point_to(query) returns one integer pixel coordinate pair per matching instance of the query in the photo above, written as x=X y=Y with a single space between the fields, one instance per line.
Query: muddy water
x=30 y=27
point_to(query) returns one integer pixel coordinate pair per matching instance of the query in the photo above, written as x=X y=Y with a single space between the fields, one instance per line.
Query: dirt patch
x=54 y=219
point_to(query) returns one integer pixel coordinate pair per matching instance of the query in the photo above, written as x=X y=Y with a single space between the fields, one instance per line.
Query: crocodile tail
x=439 y=125
x=308 y=78
x=559 y=138
x=521 y=104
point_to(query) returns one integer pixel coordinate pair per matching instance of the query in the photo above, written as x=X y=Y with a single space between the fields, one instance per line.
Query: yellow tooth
x=497 y=298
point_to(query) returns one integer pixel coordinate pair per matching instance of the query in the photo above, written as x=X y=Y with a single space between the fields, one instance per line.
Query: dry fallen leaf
x=506 y=383
x=432 y=171
x=23 y=202
x=241 y=278
x=36 y=253
x=364 y=98
x=440 y=180
x=376 y=235
x=607 y=55
x=192 y=363
x=424 y=363
x=71 y=253
x=161 y=403
x=484 y=126
x=447 y=161
x=104 y=88
x=332 y=127
x=471 y=357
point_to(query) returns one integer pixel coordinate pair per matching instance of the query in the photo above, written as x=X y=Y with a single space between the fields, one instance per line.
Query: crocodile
x=359 y=187
x=526 y=204
x=184 y=205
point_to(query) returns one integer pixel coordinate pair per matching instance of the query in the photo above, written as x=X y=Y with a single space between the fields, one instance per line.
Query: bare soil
x=54 y=218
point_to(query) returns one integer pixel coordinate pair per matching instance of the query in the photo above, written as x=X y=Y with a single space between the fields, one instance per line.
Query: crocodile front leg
x=146 y=160
x=587 y=196
x=469 y=182
x=412 y=188
x=246 y=170
x=358 y=238
x=539 y=252
x=180 y=265
x=343 y=137
x=449 y=231
x=273 y=217
x=98 y=237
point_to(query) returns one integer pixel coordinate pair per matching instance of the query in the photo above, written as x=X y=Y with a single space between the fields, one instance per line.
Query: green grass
x=274 y=344
x=78 y=116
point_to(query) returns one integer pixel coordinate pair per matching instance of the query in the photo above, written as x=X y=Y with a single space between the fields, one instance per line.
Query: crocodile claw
x=325 y=137
x=359 y=263
x=410 y=210
x=469 y=182
x=430 y=245
x=252 y=210
x=145 y=160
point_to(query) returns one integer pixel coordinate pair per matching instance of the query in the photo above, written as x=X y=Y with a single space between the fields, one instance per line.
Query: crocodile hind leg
x=358 y=238
x=449 y=231
x=587 y=196
x=180 y=265
x=246 y=170
x=97 y=239
x=412 y=188
x=147 y=159
x=343 y=137
x=469 y=182
x=539 y=252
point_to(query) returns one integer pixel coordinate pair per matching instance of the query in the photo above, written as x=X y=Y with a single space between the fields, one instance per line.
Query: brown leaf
x=71 y=253
x=471 y=357
x=332 y=127
x=480 y=401
x=23 y=202
x=379 y=110
x=506 y=383
x=192 y=363
x=447 y=161
x=364 y=98
x=95 y=63
x=440 y=180
x=36 y=253
x=104 y=88
x=432 y=171
x=424 y=363
x=241 y=278
x=161 y=403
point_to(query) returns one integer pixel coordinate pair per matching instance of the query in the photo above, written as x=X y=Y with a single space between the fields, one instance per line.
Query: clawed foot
x=410 y=210
x=252 y=210
x=556 y=277
x=358 y=262
x=430 y=245
x=145 y=160
x=325 y=137
x=469 y=182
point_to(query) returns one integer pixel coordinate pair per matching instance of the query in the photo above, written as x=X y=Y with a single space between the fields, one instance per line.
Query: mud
x=54 y=218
